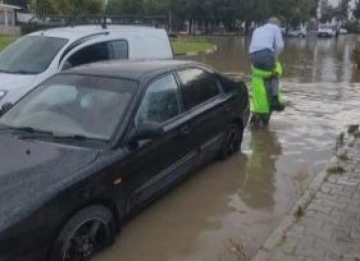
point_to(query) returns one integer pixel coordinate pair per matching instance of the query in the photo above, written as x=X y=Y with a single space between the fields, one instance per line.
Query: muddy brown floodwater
x=241 y=200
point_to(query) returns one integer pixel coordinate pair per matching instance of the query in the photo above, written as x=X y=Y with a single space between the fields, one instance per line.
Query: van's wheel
x=88 y=232
x=232 y=141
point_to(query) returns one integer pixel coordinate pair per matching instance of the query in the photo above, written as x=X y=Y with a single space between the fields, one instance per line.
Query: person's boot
x=276 y=104
x=258 y=122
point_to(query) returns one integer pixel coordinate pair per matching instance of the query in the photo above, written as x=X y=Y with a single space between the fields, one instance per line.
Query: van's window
x=198 y=86
x=120 y=50
x=112 y=50
x=160 y=103
x=30 y=55
x=93 y=53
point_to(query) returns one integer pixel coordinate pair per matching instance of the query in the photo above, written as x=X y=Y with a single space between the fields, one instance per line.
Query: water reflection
x=258 y=189
x=305 y=60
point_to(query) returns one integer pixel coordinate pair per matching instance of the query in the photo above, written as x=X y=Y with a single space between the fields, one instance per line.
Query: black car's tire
x=232 y=141
x=89 y=231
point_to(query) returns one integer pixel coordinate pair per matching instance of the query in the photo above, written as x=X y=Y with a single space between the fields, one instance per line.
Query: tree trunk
x=247 y=27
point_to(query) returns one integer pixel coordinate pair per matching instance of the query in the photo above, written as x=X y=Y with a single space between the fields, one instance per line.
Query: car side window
x=120 y=49
x=93 y=53
x=160 y=102
x=198 y=86
x=112 y=50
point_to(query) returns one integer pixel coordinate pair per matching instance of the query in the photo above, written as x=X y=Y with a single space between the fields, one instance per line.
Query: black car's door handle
x=184 y=131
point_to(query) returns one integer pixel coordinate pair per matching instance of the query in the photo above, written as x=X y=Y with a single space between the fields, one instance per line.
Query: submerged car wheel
x=232 y=141
x=88 y=232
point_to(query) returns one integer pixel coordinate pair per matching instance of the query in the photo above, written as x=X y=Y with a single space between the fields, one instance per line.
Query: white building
x=8 y=19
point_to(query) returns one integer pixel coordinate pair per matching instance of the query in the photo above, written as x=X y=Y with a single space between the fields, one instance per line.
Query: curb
x=209 y=51
x=276 y=236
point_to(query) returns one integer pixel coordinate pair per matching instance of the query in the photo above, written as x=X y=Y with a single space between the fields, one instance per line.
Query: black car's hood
x=31 y=172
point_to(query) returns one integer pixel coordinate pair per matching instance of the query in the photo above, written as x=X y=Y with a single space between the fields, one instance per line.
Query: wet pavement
x=237 y=203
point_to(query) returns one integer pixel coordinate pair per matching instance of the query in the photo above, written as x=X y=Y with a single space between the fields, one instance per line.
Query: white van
x=326 y=30
x=37 y=56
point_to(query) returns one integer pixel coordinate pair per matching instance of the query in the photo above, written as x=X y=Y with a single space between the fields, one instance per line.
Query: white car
x=297 y=32
x=37 y=56
x=343 y=31
x=326 y=31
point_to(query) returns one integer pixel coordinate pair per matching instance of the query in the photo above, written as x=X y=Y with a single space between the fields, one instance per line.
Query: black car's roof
x=133 y=70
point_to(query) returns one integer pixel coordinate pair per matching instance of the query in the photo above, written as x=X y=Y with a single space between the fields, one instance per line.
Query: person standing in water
x=266 y=45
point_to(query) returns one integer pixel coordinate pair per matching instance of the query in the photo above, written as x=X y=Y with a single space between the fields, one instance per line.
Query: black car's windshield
x=73 y=106
x=30 y=55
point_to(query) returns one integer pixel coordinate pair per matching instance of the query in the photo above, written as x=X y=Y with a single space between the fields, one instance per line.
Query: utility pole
x=37 y=8
x=105 y=4
x=170 y=22
x=104 y=24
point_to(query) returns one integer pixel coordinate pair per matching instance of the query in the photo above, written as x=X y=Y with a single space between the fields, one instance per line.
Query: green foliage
x=33 y=27
x=342 y=10
x=203 y=11
x=294 y=12
x=218 y=10
x=328 y=12
x=66 y=7
x=356 y=10
x=182 y=46
x=5 y=41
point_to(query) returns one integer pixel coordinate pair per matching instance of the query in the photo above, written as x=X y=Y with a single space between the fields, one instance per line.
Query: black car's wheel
x=88 y=232
x=232 y=141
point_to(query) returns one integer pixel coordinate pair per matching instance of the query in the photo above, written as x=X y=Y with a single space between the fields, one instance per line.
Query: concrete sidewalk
x=325 y=223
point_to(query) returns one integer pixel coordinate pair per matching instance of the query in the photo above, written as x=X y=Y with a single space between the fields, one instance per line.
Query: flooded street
x=240 y=201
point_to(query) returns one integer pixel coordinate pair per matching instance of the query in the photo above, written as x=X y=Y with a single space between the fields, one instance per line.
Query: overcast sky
x=335 y=2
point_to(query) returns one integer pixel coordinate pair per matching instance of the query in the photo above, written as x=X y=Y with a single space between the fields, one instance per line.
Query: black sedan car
x=90 y=146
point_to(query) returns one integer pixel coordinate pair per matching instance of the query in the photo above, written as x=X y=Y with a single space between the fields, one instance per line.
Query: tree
x=42 y=7
x=356 y=11
x=209 y=12
x=22 y=3
x=327 y=13
x=66 y=7
x=126 y=7
x=294 y=12
x=342 y=10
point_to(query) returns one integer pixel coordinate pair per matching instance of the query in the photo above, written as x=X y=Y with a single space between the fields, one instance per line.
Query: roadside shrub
x=352 y=27
x=33 y=27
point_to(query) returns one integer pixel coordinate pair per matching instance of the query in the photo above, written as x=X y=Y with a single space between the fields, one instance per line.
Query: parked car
x=37 y=56
x=343 y=31
x=297 y=32
x=326 y=31
x=92 y=145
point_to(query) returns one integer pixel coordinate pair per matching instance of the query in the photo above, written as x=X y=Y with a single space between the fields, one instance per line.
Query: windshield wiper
x=29 y=130
x=78 y=137
x=31 y=133
x=71 y=137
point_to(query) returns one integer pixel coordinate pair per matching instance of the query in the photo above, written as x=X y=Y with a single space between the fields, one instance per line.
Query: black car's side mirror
x=147 y=131
x=7 y=106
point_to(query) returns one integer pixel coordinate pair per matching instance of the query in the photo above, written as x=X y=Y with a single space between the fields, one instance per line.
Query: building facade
x=8 y=19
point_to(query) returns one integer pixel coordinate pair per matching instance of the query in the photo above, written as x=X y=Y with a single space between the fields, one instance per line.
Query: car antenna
x=104 y=22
